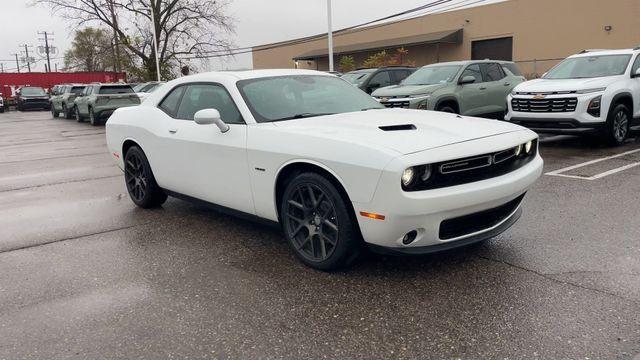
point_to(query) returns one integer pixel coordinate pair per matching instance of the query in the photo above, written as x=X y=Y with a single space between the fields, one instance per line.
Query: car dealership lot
x=87 y=274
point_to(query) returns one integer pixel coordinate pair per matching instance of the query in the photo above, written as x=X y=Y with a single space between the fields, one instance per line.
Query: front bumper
x=420 y=102
x=33 y=104
x=425 y=211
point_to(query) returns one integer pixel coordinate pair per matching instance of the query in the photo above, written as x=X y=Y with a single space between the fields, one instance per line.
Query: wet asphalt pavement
x=85 y=274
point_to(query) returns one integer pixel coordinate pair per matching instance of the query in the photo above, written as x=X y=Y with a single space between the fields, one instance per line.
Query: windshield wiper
x=302 y=116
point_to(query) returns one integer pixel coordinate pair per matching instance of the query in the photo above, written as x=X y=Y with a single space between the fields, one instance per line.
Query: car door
x=82 y=101
x=199 y=160
x=471 y=97
x=497 y=88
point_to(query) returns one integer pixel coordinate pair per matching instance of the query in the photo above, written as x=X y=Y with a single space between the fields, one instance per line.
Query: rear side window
x=382 y=79
x=171 y=101
x=77 y=90
x=208 y=96
x=111 y=90
x=512 y=68
x=492 y=72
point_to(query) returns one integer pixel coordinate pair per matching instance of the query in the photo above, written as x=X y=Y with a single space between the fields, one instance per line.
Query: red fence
x=10 y=82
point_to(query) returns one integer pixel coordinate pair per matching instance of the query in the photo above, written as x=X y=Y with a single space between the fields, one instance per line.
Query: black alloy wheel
x=141 y=185
x=617 y=128
x=317 y=224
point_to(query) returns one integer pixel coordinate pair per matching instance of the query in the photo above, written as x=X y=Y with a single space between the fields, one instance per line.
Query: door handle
x=506 y=84
x=483 y=88
x=173 y=131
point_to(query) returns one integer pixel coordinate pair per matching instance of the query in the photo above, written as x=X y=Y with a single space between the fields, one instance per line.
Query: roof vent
x=398 y=127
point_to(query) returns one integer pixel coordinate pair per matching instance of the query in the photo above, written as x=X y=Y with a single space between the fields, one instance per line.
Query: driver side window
x=473 y=70
x=208 y=96
x=382 y=78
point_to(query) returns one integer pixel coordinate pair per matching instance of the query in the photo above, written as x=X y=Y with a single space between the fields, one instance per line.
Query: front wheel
x=141 y=184
x=617 y=126
x=447 y=108
x=77 y=113
x=92 y=118
x=317 y=224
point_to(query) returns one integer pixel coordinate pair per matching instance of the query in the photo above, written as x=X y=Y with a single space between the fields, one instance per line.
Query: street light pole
x=330 y=35
x=155 y=40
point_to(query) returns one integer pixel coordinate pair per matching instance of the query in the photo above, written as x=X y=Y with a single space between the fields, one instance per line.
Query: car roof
x=600 y=52
x=467 y=62
x=251 y=74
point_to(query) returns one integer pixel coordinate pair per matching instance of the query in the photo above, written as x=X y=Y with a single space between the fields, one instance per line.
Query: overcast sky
x=257 y=22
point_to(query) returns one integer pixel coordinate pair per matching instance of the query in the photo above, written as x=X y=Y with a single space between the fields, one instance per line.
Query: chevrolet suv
x=368 y=80
x=62 y=100
x=98 y=101
x=475 y=88
x=591 y=92
x=32 y=97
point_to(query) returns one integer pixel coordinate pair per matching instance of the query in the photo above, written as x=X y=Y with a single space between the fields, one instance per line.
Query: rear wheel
x=141 y=185
x=54 y=113
x=617 y=127
x=316 y=223
x=67 y=112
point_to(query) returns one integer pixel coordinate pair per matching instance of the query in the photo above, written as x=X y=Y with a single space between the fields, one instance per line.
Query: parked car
x=98 y=101
x=475 y=88
x=369 y=80
x=591 y=92
x=62 y=100
x=1 y=104
x=329 y=163
x=143 y=90
x=32 y=97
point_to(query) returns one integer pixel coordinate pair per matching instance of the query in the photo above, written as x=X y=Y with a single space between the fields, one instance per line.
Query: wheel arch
x=447 y=100
x=127 y=144
x=624 y=98
x=292 y=168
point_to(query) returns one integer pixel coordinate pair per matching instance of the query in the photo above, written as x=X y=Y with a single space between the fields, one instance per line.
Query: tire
x=92 y=118
x=54 y=113
x=141 y=185
x=617 y=126
x=66 y=112
x=317 y=223
x=79 y=117
x=447 y=108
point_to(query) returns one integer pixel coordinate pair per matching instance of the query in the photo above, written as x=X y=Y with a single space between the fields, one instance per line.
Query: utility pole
x=47 y=49
x=17 y=62
x=26 y=57
x=330 y=35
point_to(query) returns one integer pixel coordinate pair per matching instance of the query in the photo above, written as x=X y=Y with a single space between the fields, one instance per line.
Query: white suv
x=594 y=91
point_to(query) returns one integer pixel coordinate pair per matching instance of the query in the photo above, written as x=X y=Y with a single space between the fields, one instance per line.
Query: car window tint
x=492 y=72
x=472 y=70
x=208 y=96
x=400 y=75
x=381 y=78
x=171 y=101
x=636 y=65
x=513 y=68
x=119 y=89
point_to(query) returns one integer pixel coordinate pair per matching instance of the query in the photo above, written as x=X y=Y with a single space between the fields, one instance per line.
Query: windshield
x=430 y=75
x=590 y=67
x=38 y=91
x=356 y=77
x=120 y=89
x=301 y=96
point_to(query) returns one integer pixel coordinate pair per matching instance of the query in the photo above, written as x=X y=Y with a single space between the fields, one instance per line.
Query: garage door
x=494 y=49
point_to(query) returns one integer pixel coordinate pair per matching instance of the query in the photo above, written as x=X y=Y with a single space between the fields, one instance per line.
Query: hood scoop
x=398 y=127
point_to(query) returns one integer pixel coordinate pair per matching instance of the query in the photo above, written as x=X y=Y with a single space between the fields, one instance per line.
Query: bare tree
x=183 y=27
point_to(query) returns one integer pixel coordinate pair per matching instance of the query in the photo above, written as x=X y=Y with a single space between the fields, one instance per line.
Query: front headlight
x=589 y=91
x=420 y=96
x=594 y=106
x=407 y=177
x=528 y=147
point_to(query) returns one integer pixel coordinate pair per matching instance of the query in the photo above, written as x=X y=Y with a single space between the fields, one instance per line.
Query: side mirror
x=467 y=80
x=210 y=116
x=636 y=74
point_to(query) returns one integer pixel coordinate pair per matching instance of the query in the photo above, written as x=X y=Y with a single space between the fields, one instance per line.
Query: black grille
x=396 y=104
x=469 y=224
x=544 y=105
x=472 y=169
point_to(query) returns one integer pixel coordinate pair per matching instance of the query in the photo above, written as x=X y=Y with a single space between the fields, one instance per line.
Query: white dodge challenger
x=330 y=164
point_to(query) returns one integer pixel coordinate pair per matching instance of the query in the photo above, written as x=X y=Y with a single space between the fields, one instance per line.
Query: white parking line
x=591 y=162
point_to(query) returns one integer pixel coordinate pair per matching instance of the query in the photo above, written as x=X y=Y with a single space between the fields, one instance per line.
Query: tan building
x=534 y=33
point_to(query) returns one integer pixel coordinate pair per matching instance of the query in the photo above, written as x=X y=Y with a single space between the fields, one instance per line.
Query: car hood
x=406 y=90
x=432 y=129
x=34 y=96
x=549 y=85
